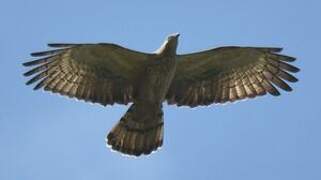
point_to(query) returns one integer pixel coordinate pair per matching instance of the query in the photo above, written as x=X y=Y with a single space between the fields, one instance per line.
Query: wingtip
x=289 y=58
x=36 y=54
x=275 y=93
x=26 y=74
x=288 y=89
x=277 y=49
x=295 y=69
x=292 y=59
x=28 y=83
x=37 y=87
x=25 y=64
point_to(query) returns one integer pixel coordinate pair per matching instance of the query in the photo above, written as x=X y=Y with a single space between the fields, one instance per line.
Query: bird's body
x=156 y=79
x=107 y=74
x=144 y=119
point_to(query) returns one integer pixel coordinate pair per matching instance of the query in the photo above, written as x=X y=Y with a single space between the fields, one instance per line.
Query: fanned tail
x=137 y=133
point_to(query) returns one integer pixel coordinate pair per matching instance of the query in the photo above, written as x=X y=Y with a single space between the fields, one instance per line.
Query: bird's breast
x=156 y=79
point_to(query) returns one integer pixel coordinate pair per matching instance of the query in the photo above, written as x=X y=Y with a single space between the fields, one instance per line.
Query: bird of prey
x=107 y=73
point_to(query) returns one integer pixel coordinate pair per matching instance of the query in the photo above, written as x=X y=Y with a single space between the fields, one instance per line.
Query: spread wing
x=229 y=74
x=99 y=73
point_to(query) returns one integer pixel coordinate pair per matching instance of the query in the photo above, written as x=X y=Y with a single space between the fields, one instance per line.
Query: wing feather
x=100 y=73
x=230 y=74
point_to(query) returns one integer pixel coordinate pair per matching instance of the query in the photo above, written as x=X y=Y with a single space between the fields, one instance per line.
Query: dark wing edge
x=256 y=78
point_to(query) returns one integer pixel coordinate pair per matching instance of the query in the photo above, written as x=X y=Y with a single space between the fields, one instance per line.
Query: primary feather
x=101 y=73
x=228 y=74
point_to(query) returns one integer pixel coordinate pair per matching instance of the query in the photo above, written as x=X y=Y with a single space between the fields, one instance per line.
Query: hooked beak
x=176 y=35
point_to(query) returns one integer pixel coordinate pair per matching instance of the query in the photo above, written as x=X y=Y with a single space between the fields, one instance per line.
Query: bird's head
x=170 y=44
x=172 y=40
x=173 y=37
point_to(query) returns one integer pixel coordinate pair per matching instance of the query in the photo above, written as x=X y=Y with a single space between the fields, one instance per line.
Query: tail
x=139 y=131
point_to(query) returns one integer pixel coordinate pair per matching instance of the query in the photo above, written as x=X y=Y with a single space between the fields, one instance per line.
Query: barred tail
x=138 y=132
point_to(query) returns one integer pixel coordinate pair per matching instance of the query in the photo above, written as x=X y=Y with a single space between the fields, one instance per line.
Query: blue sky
x=45 y=136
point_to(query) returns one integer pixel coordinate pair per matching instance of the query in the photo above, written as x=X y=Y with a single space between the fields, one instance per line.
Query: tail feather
x=135 y=136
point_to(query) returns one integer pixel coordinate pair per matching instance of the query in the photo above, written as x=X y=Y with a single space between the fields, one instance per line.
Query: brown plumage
x=108 y=73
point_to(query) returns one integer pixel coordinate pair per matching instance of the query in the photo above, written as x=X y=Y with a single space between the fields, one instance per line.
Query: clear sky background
x=45 y=136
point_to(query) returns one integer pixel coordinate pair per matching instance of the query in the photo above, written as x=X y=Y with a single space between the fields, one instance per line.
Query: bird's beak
x=177 y=35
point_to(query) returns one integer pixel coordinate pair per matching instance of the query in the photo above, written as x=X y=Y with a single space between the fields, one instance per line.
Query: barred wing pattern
x=99 y=73
x=228 y=74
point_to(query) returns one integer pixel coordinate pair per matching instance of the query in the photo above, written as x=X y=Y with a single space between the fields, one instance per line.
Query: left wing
x=99 y=73
x=229 y=74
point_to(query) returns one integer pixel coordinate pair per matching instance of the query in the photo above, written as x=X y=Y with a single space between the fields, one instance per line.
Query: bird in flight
x=107 y=73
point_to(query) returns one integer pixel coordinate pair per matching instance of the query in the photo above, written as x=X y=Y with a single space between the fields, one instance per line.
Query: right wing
x=228 y=74
x=100 y=73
